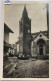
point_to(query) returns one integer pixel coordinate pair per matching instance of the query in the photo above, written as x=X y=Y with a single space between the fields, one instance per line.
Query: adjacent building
x=40 y=44
x=7 y=30
x=17 y=47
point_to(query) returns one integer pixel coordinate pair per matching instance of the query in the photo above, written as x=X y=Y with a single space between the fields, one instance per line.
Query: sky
x=36 y=12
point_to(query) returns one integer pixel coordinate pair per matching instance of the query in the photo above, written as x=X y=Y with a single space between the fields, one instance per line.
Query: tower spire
x=25 y=14
x=25 y=6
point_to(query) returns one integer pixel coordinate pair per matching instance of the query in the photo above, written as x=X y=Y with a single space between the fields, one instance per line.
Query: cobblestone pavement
x=31 y=69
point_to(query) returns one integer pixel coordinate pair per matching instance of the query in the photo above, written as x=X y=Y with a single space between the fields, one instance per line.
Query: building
x=40 y=41
x=40 y=44
x=7 y=30
x=14 y=49
x=17 y=47
x=33 y=44
x=25 y=34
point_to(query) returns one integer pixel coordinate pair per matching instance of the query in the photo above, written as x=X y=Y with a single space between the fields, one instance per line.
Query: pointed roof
x=25 y=14
x=38 y=32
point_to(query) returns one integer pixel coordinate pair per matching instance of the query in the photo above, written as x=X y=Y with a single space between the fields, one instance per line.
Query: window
x=40 y=35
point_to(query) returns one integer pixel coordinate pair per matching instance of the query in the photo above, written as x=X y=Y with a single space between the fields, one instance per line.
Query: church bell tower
x=25 y=34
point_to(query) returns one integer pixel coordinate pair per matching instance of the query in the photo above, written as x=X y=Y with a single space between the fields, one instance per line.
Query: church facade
x=40 y=44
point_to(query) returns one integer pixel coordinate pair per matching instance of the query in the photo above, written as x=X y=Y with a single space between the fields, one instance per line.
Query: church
x=32 y=44
x=25 y=34
x=40 y=44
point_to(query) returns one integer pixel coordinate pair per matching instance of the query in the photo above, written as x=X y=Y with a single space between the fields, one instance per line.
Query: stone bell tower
x=25 y=34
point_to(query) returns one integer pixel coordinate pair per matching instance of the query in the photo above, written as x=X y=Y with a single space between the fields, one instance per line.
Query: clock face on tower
x=28 y=31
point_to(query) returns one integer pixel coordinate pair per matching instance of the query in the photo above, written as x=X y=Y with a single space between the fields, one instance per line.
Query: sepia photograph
x=26 y=40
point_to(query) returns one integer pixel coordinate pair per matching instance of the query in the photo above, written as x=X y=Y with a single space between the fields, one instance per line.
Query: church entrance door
x=41 y=49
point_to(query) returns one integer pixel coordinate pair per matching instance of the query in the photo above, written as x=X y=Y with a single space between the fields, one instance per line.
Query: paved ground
x=31 y=69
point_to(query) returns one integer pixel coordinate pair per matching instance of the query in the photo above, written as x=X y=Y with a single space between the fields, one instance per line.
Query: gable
x=40 y=36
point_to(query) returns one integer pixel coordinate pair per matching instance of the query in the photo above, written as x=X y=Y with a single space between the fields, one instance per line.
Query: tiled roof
x=6 y=28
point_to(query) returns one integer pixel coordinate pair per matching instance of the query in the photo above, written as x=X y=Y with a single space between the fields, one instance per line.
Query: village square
x=28 y=57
